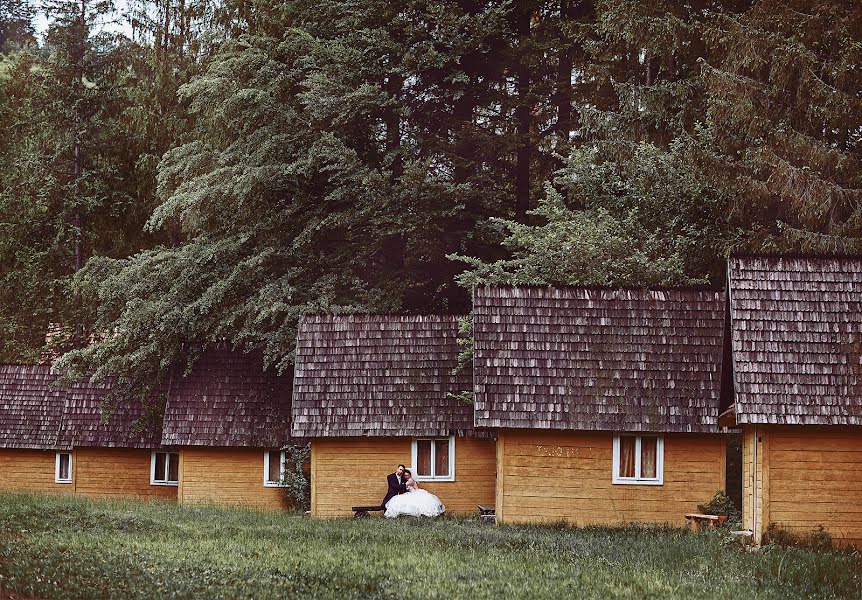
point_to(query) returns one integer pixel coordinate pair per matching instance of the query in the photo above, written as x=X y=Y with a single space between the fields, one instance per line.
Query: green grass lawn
x=71 y=548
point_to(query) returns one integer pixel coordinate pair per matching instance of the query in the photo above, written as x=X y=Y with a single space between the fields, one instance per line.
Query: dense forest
x=184 y=172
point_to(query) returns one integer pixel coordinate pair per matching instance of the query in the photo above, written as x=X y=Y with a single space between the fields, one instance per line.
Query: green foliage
x=63 y=547
x=328 y=156
x=296 y=484
x=648 y=220
x=820 y=539
x=720 y=504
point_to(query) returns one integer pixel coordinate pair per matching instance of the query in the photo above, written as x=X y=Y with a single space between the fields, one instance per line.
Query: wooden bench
x=361 y=512
x=487 y=514
x=699 y=521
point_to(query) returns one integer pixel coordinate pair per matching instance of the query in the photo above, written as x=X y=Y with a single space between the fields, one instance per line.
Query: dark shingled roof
x=797 y=340
x=365 y=375
x=123 y=428
x=595 y=359
x=228 y=400
x=31 y=407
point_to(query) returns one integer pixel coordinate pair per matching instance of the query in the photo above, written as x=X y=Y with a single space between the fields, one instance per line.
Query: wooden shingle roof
x=596 y=359
x=797 y=339
x=388 y=375
x=228 y=399
x=122 y=427
x=31 y=407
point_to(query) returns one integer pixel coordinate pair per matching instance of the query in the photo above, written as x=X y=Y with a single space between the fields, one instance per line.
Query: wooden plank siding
x=226 y=476
x=748 y=484
x=548 y=476
x=30 y=471
x=116 y=473
x=808 y=477
x=352 y=471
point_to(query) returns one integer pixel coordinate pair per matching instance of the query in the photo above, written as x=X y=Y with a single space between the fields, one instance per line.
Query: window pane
x=160 y=466
x=423 y=458
x=273 y=475
x=64 y=466
x=173 y=467
x=627 y=456
x=441 y=458
x=649 y=446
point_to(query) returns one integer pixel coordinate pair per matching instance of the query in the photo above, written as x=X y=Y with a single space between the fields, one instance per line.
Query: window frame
x=163 y=482
x=57 y=478
x=282 y=469
x=415 y=458
x=637 y=479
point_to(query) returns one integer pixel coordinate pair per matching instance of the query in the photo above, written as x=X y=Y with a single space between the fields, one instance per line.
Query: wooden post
x=501 y=455
x=313 y=478
x=180 y=477
x=764 y=503
x=73 y=468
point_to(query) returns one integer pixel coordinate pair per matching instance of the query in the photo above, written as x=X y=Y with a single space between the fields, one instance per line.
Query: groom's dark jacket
x=395 y=488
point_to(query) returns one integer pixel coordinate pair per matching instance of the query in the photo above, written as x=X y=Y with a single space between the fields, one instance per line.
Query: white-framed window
x=164 y=468
x=638 y=459
x=273 y=468
x=434 y=459
x=63 y=468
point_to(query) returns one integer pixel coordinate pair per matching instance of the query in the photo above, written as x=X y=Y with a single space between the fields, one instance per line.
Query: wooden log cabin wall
x=606 y=401
x=228 y=418
x=222 y=424
x=373 y=391
x=53 y=438
x=31 y=411
x=796 y=341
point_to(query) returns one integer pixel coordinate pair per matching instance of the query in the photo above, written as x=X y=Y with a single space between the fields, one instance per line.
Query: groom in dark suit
x=396 y=484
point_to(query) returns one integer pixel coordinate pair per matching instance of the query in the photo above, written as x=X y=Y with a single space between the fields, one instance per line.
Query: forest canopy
x=186 y=172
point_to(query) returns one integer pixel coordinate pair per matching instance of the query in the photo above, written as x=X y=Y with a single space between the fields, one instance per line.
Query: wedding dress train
x=415 y=503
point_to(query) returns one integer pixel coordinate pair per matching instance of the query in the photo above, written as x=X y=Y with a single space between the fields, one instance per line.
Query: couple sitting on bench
x=405 y=497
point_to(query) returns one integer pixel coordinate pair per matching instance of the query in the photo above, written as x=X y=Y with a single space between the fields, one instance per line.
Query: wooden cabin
x=227 y=421
x=374 y=391
x=796 y=343
x=606 y=401
x=114 y=446
x=31 y=412
x=53 y=438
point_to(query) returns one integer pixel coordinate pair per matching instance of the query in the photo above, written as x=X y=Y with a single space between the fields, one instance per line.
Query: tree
x=785 y=121
x=647 y=221
x=66 y=191
x=16 y=24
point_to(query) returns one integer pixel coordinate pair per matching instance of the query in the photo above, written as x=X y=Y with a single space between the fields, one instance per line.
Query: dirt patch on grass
x=14 y=596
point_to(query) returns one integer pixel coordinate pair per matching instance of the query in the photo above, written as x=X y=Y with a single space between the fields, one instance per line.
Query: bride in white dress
x=416 y=502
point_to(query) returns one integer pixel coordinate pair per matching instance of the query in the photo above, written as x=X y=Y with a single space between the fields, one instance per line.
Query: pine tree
x=65 y=192
x=16 y=24
x=785 y=121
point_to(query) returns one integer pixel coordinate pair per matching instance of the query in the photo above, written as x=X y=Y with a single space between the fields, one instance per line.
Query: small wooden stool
x=487 y=514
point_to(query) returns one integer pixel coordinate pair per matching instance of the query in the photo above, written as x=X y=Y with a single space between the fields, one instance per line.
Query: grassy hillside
x=73 y=548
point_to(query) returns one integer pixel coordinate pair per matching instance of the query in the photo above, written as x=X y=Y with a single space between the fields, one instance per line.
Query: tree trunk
x=77 y=172
x=568 y=119
x=523 y=120
x=392 y=122
x=563 y=96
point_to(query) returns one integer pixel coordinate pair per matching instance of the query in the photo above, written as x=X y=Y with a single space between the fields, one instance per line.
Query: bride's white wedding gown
x=415 y=503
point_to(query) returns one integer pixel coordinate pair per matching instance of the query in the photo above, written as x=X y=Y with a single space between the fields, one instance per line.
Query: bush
x=819 y=539
x=296 y=485
x=720 y=505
